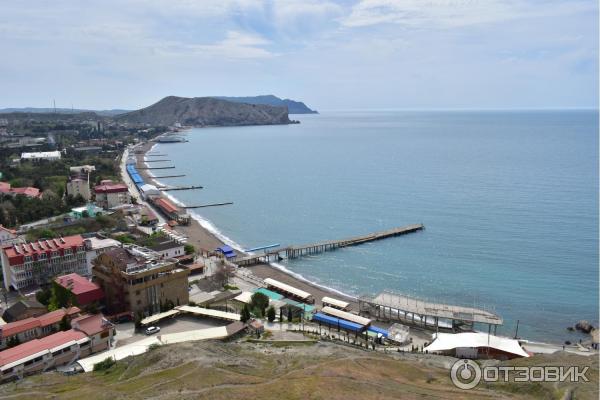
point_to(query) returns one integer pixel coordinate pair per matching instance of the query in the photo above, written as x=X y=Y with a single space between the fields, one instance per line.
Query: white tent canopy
x=346 y=315
x=451 y=341
x=287 y=288
x=330 y=301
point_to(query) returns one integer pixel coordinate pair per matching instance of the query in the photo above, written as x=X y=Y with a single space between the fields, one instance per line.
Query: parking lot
x=181 y=323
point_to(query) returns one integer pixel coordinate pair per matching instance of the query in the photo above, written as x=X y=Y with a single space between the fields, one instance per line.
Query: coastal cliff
x=206 y=111
x=294 y=107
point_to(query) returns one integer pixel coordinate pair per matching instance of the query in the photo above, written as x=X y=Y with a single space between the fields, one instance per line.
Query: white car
x=152 y=330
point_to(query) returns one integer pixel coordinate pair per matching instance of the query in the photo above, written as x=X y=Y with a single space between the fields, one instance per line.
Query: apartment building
x=89 y=334
x=110 y=194
x=140 y=280
x=79 y=185
x=37 y=263
x=34 y=327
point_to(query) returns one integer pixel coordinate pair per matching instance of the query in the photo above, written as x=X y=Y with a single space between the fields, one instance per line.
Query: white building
x=8 y=237
x=168 y=248
x=149 y=190
x=37 y=263
x=82 y=169
x=79 y=186
x=41 y=155
x=110 y=194
x=95 y=246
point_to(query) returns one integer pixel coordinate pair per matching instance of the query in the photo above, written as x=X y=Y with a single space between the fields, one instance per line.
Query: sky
x=333 y=55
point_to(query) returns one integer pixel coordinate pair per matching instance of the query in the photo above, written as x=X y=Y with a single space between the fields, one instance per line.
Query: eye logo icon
x=465 y=374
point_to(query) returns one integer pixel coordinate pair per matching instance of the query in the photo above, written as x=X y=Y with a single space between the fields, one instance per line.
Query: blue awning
x=337 y=322
x=227 y=251
x=378 y=330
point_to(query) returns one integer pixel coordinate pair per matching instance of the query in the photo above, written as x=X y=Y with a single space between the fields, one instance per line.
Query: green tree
x=65 y=324
x=189 y=249
x=43 y=296
x=271 y=314
x=245 y=314
x=61 y=297
x=260 y=302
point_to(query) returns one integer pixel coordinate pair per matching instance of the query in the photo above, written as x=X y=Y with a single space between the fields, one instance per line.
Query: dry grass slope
x=215 y=370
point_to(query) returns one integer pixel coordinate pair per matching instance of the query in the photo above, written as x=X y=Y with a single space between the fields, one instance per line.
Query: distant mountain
x=294 y=107
x=206 y=111
x=34 y=110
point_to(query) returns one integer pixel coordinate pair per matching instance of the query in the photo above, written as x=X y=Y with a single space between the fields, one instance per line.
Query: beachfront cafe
x=289 y=291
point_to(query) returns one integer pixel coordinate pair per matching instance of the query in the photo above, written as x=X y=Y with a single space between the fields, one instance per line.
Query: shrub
x=153 y=346
x=271 y=314
x=104 y=365
x=245 y=314
x=189 y=249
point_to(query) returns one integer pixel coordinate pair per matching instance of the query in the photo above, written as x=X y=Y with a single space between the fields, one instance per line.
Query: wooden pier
x=168 y=176
x=149 y=161
x=316 y=248
x=167 y=188
x=209 y=205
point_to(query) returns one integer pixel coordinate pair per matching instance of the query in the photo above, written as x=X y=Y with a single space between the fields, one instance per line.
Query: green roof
x=306 y=307
x=269 y=293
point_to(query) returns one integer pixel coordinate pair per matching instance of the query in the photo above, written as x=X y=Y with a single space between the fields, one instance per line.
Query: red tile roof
x=91 y=324
x=76 y=283
x=11 y=231
x=166 y=205
x=111 y=187
x=51 y=318
x=54 y=317
x=37 y=345
x=27 y=191
x=16 y=252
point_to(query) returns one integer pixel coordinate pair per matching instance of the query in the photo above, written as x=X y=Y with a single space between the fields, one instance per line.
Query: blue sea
x=509 y=200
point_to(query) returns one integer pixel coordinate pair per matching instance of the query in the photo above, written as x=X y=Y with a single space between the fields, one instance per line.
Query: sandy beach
x=203 y=239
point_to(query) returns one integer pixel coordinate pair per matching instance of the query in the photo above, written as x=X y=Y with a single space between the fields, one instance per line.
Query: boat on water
x=171 y=139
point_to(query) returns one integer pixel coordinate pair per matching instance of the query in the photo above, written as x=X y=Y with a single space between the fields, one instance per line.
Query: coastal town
x=99 y=264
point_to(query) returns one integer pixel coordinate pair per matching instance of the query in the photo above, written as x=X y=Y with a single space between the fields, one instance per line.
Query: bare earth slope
x=206 y=111
x=216 y=370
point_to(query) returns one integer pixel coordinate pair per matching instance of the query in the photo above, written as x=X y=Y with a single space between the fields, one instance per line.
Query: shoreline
x=206 y=239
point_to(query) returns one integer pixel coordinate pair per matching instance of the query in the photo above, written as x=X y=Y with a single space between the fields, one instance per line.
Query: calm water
x=509 y=201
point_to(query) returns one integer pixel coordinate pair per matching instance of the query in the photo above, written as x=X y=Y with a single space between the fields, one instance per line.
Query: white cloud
x=235 y=45
x=454 y=13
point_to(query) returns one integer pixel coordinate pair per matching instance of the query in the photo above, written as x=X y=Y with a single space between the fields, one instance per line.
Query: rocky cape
x=294 y=107
x=206 y=111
